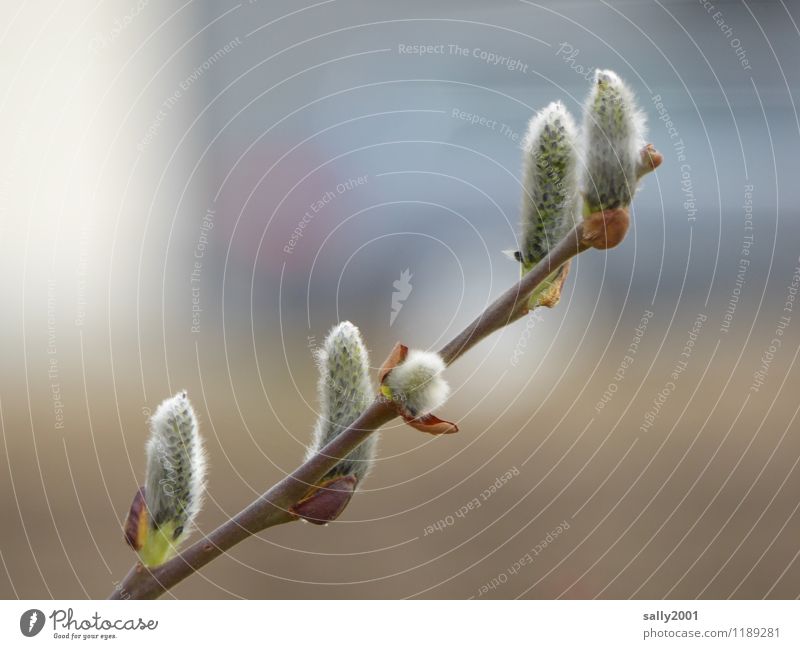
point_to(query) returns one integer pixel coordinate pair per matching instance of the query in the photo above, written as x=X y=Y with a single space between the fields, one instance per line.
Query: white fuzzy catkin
x=417 y=384
x=176 y=466
x=344 y=392
x=550 y=181
x=613 y=136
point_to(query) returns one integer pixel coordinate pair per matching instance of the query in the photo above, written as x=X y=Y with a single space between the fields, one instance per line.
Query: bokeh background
x=144 y=142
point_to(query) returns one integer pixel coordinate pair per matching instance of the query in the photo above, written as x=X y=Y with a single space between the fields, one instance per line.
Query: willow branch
x=510 y=306
x=272 y=508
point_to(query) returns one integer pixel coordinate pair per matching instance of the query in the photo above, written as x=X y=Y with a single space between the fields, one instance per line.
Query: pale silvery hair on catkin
x=417 y=384
x=344 y=391
x=613 y=136
x=176 y=464
x=549 y=176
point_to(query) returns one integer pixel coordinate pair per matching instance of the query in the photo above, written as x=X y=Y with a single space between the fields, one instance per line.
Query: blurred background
x=191 y=195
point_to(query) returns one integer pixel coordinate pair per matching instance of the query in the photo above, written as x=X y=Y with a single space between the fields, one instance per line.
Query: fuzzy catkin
x=175 y=466
x=417 y=384
x=613 y=135
x=344 y=392
x=550 y=181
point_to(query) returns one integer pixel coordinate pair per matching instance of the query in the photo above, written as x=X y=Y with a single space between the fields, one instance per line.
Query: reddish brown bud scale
x=327 y=501
x=426 y=423
x=552 y=294
x=651 y=159
x=136 y=523
x=396 y=356
x=432 y=425
x=603 y=230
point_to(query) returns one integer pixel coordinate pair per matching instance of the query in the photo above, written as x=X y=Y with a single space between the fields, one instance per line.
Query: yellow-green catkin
x=549 y=203
x=175 y=479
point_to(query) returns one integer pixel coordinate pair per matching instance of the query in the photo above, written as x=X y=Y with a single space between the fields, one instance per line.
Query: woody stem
x=272 y=508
